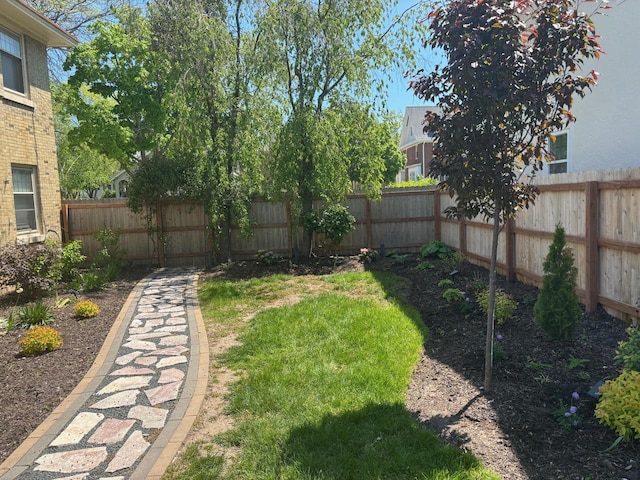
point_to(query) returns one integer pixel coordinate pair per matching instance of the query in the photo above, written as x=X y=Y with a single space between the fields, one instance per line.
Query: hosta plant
x=40 y=339
x=86 y=309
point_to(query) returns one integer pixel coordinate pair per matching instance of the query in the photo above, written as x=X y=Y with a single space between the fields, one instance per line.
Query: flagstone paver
x=78 y=428
x=135 y=446
x=150 y=417
x=72 y=461
x=153 y=357
x=112 y=430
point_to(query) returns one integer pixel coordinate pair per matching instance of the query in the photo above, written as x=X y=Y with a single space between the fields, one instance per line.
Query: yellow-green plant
x=86 y=309
x=619 y=405
x=40 y=339
x=505 y=306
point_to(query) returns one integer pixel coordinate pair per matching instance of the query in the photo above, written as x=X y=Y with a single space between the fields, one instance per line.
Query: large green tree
x=324 y=55
x=512 y=71
x=218 y=116
x=123 y=118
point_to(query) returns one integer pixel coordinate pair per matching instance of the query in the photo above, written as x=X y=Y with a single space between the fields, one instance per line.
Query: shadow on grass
x=376 y=442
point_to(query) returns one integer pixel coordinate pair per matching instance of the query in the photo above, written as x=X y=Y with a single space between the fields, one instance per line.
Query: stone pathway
x=128 y=421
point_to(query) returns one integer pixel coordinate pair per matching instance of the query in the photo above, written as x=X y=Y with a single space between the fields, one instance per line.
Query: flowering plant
x=367 y=255
x=568 y=417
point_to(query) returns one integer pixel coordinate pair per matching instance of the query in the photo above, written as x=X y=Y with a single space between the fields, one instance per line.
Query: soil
x=32 y=387
x=514 y=429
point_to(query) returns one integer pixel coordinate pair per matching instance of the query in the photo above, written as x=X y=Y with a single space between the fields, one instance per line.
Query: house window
x=11 y=61
x=559 y=152
x=415 y=173
x=24 y=199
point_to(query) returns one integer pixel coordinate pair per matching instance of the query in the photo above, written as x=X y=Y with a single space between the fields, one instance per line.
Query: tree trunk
x=488 y=351
x=307 y=236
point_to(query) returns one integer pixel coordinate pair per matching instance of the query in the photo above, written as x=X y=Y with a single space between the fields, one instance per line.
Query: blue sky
x=399 y=97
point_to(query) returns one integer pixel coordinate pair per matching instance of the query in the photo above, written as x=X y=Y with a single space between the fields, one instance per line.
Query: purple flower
x=499 y=337
x=467 y=299
x=575 y=396
x=575 y=423
x=573 y=409
x=567 y=414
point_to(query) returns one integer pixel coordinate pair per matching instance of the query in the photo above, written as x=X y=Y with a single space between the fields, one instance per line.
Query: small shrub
x=267 y=258
x=40 y=339
x=453 y=295
x=619 y=405
x=33 y=314
x=367 y=255
x=557 y=309
x=504 y=308
x=453 y=262
x=110 y=255
x=71 y=259
x=86 y=309
x=29 y=268
x=445 y=283
x=91 y=281
x=628 y=352
x=435 y=249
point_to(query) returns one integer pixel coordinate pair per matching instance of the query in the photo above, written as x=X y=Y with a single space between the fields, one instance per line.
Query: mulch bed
x=512 y=429
x=32 y=387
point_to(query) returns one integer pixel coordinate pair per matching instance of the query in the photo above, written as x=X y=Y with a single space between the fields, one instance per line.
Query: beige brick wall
x=27 y=139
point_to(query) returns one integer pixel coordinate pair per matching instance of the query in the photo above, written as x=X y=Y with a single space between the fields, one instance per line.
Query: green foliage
x=453 y=295
x=557 y=309
x=445 y=282
x=628 y=352
x=574 y=362
x=422 y=182
x=86 y=309
x=91 y=281
x=619 y=404
x=40 y=339
x=367 y=255
x=109 y=258
x=499 y=354
x=267 y=258
x=424 y=265
x=537 y=366
x=505 y=306
x=435 y=248
x=33 y=314
x=333 y=222
x=70 y=260
x=453 y=261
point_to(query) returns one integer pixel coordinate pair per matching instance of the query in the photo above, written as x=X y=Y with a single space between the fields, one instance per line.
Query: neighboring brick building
x=30 y=193
x=415 y=144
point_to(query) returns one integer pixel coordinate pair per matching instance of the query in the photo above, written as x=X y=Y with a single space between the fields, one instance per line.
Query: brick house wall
x=27 y=137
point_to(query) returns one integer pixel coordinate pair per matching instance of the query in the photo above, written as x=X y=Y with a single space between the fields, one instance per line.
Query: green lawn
x=322 y=384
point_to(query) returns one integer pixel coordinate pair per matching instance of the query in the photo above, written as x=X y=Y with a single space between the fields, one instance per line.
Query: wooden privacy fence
x=601 y=220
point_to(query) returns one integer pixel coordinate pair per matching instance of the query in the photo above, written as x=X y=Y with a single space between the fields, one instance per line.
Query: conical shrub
x=557 y=309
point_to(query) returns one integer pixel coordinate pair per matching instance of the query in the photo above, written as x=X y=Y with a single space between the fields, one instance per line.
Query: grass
x=322 y=384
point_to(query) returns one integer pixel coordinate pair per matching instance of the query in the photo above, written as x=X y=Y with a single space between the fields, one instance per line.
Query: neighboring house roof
x=122 y=174
x=413 y=125
x=36 y=25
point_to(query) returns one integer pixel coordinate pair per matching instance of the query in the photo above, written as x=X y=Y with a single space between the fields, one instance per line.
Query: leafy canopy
x=513 y=70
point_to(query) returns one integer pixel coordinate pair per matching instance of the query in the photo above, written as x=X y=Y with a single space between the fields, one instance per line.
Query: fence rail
x=601 y=220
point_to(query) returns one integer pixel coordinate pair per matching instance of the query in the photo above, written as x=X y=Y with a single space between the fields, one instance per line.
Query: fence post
x=66 y=231
x=592 y=204
x=436 y=215
x=462 y=235
x=510 y=253
x=160 y=234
